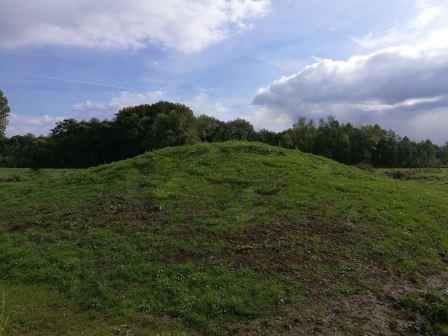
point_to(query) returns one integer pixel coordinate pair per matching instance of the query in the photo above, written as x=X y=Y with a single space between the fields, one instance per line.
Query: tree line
x=135 y=130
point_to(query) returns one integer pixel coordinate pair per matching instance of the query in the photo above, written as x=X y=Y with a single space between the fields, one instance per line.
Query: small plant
x=392 y=323
x=4 y=317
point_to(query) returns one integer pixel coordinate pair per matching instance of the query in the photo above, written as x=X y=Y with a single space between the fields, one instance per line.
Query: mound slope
x=230 y=238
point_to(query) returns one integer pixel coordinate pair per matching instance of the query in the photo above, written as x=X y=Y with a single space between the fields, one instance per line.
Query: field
x=223 y=239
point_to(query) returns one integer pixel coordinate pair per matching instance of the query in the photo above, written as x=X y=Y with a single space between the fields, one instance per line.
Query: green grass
x=430 y=178
x=220 y=239
x=4 y=317
x=432 y=305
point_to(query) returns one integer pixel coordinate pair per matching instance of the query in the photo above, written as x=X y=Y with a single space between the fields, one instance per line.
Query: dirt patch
x=277 y=246
x=266 y=247
x=365 y=314
x=371 y=314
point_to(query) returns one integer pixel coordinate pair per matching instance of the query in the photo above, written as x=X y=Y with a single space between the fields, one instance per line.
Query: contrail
x=68 y=80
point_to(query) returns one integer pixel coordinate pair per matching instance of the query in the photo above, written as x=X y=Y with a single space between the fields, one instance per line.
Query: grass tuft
x=4 y=317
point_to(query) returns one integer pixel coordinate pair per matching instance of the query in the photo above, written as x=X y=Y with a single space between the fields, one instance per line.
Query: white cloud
x=262 y=117
x=23 y=124
x=116 y=103
x=185 y=25
x=414 y=29
x=41 y=125
x=427 y=14
x=202 y=104
x=398 y=87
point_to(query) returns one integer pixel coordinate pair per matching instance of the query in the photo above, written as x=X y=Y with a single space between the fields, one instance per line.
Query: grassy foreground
x=221 y=239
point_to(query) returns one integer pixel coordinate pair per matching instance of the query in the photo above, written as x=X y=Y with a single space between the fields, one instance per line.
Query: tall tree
x=241 y=129
x=4 y=112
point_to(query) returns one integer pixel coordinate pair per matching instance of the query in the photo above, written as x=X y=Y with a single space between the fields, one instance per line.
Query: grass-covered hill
x=221 y=239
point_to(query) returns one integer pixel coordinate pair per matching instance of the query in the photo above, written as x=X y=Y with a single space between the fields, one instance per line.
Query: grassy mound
x=231 y=238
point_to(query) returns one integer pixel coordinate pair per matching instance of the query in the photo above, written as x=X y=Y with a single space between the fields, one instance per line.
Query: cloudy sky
x=269 y=61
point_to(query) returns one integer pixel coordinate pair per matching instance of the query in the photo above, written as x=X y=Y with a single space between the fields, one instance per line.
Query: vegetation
x=434 y=306
x=135 y=130
x=4 y=318
x=220 y=239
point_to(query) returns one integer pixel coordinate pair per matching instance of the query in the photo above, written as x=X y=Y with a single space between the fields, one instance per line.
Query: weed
x=4 y=317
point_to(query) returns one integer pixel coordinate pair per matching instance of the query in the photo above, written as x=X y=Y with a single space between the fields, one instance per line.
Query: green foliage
x=174 y=128
x=366 y=145
x=242 y=130
x=211 y=129
x=135 y=130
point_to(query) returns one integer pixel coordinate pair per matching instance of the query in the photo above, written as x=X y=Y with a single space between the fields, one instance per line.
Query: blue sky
x=269 y=61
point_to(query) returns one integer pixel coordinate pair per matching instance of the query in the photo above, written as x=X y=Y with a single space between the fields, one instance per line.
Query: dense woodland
x=135 y=130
